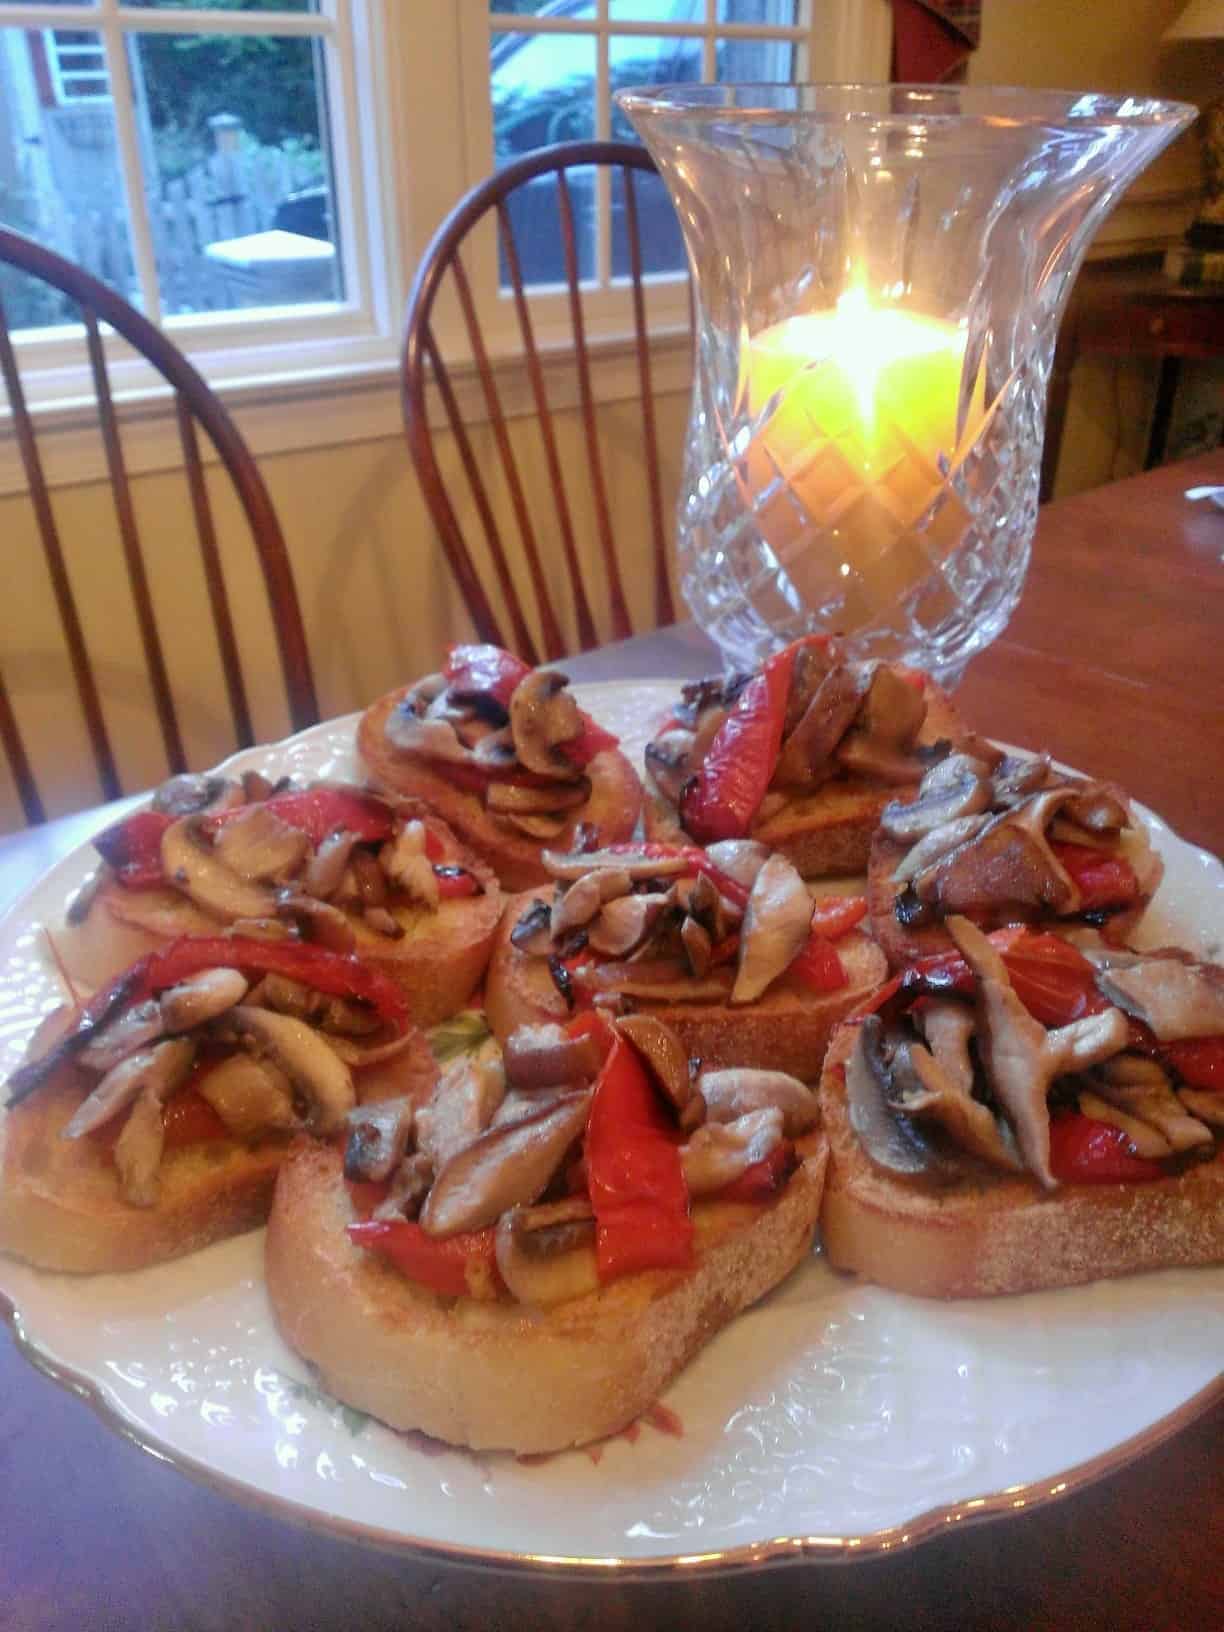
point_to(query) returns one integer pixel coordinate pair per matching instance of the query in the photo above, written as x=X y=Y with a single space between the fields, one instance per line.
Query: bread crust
x=497 y=1375
x=437 y=964
x=827 y=833
x=60 y=1201
x=991 y=1234
x=612 y=810
x=786 y=1030
x=906 y=944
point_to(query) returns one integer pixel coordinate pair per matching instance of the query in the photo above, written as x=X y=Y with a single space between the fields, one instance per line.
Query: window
x=261 y=176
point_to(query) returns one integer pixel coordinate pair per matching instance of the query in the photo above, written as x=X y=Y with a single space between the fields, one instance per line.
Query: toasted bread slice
x=437 y=962
x=990 y=1233
x=494 y=1374
x=786 y=1030
x=60 y=1201
x=905 y=944
x=826 y=833
x=611 y=811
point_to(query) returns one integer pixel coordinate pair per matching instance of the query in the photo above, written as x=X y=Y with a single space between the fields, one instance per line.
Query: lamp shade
x=1200 y=20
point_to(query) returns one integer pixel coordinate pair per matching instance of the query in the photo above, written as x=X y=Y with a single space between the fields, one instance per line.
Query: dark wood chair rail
x=196 y=405
x=1114 y=661
x=443 y=264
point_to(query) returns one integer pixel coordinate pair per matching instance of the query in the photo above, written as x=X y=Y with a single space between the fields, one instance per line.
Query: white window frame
x=60 y=73
x=411 y=132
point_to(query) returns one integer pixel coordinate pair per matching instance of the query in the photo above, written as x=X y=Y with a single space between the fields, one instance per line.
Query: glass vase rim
x=986 y=105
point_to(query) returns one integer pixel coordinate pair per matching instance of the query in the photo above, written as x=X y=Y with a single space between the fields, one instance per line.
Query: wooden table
x=1115 y=661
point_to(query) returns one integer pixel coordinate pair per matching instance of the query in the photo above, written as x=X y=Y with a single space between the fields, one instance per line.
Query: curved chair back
x=195 y=406
x=443 y=266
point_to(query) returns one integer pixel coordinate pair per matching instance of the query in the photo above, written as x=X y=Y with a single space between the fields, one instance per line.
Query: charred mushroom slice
x=506 y=1167
x=889 y=1138
x=318 y=921
x=955 y=789
x=669 y=759
x=314 y=1069
x=719 y=1152
x=130 y=1029
x=546 y=1255
x=930 y=1094
x=664 y=1054
x=543 y=715
x=1008 y=862
x=378 y=1136
x=777 y=922
x=806 y=759
x=189 y=863
x=533 y=933
x=544 y=1057
x=159 y=1069
x=250 y=1096
x=1020 y=1057
x=734 y=1092
x=698 y=947
x=938 y=844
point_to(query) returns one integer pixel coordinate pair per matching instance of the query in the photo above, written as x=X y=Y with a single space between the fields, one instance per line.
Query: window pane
x=572 y=10
x=59 y=172
x=224 y=5
x=749 y=60
x=773 y=13
x=543 y=91
x=638 y=61
x=234 y=140
x=633 y=60
x=657 y=11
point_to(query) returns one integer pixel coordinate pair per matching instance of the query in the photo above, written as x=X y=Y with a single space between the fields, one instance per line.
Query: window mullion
x=130 y=164
x=603 y=129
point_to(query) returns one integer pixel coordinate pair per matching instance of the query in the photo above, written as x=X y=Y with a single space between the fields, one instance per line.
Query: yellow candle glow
x=858 y=442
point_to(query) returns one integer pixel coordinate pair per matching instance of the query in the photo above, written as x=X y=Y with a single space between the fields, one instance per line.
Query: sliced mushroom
x=318 y=921
x=1016 y=777
x=410 y=1184
x=314 y=1069
x=938 y=843
x=806 y=759
x=1207 y=1105
x=639 y=864
x=506 y=1167
x=138 y=1150
x=1141 y=1088
x=947 y=1025
x=508 y=799
x=544 y=828
x=1099 y=809
x=664 y=1054
x=720 y=1152
x=544 y=1057
x=543 y=715
x=669 y=759
x=405 y=862
x=496 y=751
x=378 y=1136
x=625 y=923
x=955 y=788
x=131 y=1028
x=369 y=878
x=191 y=794
x=436 y=739
x=583 y=900
x=1145 y=1139
x=1176 y=1000
x=732 y=1093
x=777 y=923
x=532 y=933
x=160 y=1068
x=546 y=1255
x=325 y=870
x=461 y=1106
x=250 y=1096
x=659 y=980
x=1020 y=1057
x=698 y=947
x=188 y=862
x=740 y=859
x=258 y=846
x=201 y=998
x=890 y=1139
x=933 y=1095
x=1008 y=862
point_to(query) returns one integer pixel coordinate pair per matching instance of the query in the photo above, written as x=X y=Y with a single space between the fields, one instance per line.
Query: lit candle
x=857 y=443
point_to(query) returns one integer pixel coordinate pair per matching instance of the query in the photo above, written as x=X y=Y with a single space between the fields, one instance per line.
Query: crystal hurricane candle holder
x=879 y=275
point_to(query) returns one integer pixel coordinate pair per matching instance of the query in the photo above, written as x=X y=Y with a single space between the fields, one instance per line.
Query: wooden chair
x=195 y=406
x=443 y=266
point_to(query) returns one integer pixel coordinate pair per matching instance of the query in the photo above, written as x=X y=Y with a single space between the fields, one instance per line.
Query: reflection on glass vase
x=880 y=272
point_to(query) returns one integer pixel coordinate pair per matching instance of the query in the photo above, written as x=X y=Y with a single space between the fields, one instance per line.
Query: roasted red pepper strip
x=188 y=1119
x=764 y=1178
x=634 y=1177
x=1199 y=1061
x=1084 y=1151
x=485 y=671
x=720 y=801
x=1103 y=881
x=591 y=740
x=1054 y=981
x=455 y=1265
x=836 y=915
x=818 y=966
x=455 y=882
x=318 y=812
x=132 y=848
